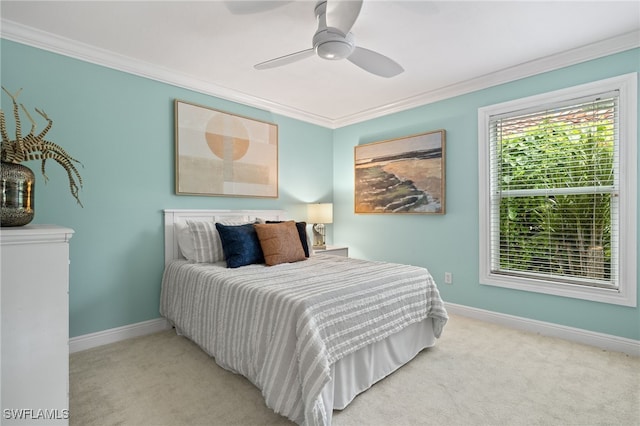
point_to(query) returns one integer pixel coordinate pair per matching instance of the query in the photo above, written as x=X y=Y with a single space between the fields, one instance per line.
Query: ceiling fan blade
x=375 y=63
x=248 y=7
x=284 y=60
x=342 y=14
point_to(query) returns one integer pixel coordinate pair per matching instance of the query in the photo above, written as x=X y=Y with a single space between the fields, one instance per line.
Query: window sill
x=595 y=294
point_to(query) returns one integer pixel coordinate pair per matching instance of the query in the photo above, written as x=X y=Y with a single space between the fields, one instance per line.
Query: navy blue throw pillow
x=240 y=244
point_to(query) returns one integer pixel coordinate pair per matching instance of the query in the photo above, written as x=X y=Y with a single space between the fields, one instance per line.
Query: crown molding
x=549 y=63
x=33 y=37
x=43 y=40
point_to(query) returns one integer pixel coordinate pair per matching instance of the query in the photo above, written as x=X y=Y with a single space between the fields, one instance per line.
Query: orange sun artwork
x=218 y=153
x=226 y=147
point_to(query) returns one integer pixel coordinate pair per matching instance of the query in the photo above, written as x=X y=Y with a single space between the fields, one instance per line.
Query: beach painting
x=404 y=175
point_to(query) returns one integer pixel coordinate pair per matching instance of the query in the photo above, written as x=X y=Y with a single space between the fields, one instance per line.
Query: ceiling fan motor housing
x=331 y=43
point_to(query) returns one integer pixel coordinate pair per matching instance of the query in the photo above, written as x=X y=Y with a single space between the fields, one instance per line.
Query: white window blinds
x=554 y=178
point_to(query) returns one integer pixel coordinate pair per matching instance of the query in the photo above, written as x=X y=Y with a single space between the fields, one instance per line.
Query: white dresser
x=34 y=302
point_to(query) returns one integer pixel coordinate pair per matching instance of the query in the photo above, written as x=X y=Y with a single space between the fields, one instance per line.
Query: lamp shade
x=320 y=213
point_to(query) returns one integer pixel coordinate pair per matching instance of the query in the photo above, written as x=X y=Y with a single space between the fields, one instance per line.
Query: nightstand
x=333 y=251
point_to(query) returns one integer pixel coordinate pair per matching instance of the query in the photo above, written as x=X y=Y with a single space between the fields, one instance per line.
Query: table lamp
x=319 y=214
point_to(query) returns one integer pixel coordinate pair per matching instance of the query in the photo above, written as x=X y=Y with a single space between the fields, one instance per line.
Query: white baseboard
x=88 y=341
x=592 y=338
x=600 y=340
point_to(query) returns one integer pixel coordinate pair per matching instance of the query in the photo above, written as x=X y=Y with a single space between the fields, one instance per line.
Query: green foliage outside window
x=564 y=231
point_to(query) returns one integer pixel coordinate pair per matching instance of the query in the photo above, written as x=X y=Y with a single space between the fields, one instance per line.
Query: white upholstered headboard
x=173 y=217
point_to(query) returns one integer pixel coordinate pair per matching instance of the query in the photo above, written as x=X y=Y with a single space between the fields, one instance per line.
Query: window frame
x=626 y=293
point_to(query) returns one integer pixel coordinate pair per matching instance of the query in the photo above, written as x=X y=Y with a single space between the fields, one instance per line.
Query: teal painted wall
x=121 y=127
x=450 y=242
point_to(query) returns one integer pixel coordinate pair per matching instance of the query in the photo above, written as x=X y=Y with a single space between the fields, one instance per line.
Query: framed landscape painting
x=224 y=154
x=405 y=175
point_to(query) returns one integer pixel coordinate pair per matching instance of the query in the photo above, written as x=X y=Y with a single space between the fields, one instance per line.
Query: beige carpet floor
x=477 y=374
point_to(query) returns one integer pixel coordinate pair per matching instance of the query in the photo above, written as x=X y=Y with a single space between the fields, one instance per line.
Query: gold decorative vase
x=18 y=190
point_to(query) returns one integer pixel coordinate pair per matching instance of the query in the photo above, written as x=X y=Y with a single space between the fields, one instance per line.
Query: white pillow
x=200 y=242
x=310 y=241
x=185 y=241
x=206 y=242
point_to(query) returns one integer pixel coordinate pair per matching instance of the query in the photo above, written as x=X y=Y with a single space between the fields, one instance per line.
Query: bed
x=311 y=334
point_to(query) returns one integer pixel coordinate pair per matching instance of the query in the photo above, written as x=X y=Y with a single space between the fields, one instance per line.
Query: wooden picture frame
x=404 y=175
x=222 y=154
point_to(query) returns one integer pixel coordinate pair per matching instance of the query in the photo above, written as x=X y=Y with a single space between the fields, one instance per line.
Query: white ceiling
x=446 y=47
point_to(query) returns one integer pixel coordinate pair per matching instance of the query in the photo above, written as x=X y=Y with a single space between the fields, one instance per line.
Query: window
x=557 y=186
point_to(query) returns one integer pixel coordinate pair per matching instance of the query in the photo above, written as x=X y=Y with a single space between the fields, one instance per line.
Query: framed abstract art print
x=223 y=154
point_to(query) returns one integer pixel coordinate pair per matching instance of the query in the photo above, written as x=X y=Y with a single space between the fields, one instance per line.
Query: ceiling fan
x=334 y=41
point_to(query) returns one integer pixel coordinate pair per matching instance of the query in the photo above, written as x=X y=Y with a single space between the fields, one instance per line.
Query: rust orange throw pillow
x=280 y=242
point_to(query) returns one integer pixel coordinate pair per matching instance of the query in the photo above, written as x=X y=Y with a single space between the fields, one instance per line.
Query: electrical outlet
x=448 y=278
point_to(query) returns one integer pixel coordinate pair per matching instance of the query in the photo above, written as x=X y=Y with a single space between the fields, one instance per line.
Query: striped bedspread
x=283 y=326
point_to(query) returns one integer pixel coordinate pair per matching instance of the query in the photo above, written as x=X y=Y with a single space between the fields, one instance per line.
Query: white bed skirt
x=358 y=371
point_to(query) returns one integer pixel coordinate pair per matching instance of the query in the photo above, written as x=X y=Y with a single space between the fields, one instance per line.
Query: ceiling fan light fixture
x=330 y=43
x=334 y=50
